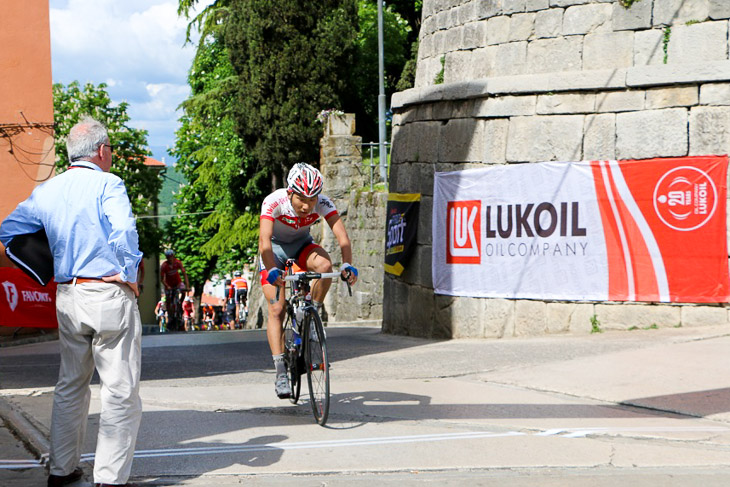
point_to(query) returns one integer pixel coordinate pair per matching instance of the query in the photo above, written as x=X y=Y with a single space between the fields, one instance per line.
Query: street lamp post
x=381 y=95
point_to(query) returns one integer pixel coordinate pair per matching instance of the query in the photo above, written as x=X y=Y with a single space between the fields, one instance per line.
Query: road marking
x=19 y=464
x=583 y=432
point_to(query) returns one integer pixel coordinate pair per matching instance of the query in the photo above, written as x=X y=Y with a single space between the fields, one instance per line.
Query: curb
x=33 y=439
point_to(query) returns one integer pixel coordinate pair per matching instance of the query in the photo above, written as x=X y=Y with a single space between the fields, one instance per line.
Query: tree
x=143 y=184
x=292 y=59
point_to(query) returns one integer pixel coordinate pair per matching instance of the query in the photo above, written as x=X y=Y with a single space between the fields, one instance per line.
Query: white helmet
x=305 y=180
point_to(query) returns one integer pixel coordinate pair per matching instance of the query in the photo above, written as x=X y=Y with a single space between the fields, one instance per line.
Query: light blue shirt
x=88 y=221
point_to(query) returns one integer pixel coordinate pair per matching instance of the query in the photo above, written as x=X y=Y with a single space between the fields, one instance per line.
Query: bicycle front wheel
x=317 y=365
x=291 y=355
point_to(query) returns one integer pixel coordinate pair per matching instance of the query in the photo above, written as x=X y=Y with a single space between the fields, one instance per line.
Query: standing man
x=93 y=238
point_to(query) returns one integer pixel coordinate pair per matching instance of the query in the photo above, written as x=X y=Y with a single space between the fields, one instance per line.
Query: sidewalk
x=395 y=385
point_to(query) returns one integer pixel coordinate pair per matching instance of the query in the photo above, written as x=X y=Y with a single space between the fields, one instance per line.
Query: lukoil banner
x=651 y=230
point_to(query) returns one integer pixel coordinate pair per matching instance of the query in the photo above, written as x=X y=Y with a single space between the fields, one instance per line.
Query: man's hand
x=274 y=277
x=349 y=273
x=118 y=278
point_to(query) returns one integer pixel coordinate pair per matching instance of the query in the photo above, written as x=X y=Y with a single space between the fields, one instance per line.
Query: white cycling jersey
x=288 y=227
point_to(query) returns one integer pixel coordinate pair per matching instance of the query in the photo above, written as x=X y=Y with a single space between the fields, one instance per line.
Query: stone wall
x=527 y=81
x=363 y=212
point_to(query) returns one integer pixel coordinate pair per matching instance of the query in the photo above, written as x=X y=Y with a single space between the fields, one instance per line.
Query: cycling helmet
x=304 y=180
x=169 y=252
x=237 y=274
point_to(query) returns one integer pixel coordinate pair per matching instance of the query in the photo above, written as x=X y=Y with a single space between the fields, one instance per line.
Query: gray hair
x=84 y=138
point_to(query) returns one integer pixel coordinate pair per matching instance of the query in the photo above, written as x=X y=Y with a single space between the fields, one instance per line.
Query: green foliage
x=439 y=79
x=665 y=42
x=364 y=71
x=408 y=75
x=595 y=325
x=291 y=58
x=143 y=184
x=627 y=3
x=214 y=230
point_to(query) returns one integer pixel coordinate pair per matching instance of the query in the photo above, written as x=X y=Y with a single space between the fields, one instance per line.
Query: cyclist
x=170 y=276
x=161 y=313
x=188 y=313
x=229 y=315
x=208 y=317
x=286 y=217
x=239 y=292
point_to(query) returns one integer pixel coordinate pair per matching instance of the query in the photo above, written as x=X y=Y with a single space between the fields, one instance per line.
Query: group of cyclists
x=287 y=216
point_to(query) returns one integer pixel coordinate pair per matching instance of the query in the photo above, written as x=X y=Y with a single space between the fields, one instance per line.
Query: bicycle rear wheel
x=317 y=365
x=291 y=354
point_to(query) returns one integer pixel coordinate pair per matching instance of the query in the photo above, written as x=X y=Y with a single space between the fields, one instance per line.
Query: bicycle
x=305 y=342
x=242 y=312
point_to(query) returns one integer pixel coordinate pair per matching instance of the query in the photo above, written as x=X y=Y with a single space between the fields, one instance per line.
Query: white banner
x=583 y=231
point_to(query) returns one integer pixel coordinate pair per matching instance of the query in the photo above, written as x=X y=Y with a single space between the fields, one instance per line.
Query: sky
x=136 y=48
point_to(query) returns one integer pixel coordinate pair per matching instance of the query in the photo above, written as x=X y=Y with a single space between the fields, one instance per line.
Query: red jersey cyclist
x=286 y=217
x=170 y=275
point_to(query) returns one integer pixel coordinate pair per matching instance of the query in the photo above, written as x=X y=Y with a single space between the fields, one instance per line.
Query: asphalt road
x=406 y=411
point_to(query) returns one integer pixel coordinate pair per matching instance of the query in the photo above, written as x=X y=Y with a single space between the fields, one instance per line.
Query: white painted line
x=19 y=464
x=172 y=452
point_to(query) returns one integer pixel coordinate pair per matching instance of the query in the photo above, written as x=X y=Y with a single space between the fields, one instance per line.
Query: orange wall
x=25 y=86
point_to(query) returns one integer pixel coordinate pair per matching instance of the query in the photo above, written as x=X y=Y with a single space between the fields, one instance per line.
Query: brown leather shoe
x=61 y=480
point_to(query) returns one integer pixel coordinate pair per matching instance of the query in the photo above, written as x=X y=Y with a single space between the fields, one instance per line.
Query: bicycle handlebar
x=311 y=275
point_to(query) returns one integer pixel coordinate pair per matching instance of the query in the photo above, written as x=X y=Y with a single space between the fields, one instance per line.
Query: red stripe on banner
x=617 y=276
x=645 y=282
x=24 y=302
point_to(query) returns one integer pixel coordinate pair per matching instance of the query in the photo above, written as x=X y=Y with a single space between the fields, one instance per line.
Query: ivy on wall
x=627 y=3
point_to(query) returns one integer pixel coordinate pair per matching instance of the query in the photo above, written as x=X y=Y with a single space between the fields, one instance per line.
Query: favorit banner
x=652 y=230
x=24 y=302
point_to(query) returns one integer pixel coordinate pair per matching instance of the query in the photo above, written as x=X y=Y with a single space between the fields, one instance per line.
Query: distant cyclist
x=286 y=217
x=170 y=275
x=238 y=292
x=188 y=308
x=161 y=313
x=208 y=317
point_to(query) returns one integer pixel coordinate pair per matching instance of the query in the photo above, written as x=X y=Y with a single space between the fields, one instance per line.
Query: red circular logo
x=685 y=198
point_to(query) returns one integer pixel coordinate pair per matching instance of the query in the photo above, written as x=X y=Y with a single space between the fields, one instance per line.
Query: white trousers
x=98 y=325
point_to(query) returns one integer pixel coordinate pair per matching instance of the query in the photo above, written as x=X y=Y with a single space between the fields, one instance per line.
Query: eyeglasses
x=111 y=147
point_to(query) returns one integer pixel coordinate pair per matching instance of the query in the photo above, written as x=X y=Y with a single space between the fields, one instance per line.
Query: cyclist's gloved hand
x=349 y=270
x=273 y=274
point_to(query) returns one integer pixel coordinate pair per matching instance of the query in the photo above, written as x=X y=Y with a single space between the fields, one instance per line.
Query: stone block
x=467 y=13
x=648 y=47
x=549 y=23
x=453 y=39
x=610 y=50
x=626 y=316
x=636 y=17
x=513 y=6
x=418 y=269
x=568 y=3
x=458 y=66
x=709 y=130
x=551 y=55
x=522 y=27
x=545 y=138
x=506 y=106
x=466 y=316
x=704 y=315
x=652 y=133
x=421 y=311
x=499 y=318
x=566 y=103
x=715 y=94
x=569 y=317
x=510 y=58
x=678 y=73
x=676 y=12
x=495 y=141
x=474 y=33
x=497 y=30
x=487 y=8
x=672 y=97
x=719 y=9
x=530 y=318
x=441 y=327
x=534 y=5
x=484 y=62
x=703 y=42
x=425 y=220
x=423 y=143
x=461 y=140
x=427 y=70
x=587 y=80
x=599 y=142
x=395 y=310
x=586 y=19
x=620 y=101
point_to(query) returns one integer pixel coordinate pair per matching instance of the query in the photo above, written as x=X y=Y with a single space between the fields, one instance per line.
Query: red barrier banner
x=25 y=303
x=651 y=230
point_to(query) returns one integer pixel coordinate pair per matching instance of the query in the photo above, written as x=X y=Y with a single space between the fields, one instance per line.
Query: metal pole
x=381 y=95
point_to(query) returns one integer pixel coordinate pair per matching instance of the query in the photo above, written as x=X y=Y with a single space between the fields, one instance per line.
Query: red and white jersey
x=288 y=227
